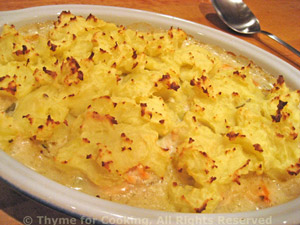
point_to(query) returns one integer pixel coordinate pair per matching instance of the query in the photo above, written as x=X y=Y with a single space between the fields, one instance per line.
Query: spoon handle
x=274 y=37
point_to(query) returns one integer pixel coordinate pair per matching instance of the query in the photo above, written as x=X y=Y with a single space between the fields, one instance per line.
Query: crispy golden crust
x=138 y=108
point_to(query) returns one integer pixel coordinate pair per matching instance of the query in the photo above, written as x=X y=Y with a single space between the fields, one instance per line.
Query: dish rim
x=39 y=187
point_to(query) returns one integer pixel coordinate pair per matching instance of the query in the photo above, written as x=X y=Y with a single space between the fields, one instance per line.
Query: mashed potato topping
x=151 y=119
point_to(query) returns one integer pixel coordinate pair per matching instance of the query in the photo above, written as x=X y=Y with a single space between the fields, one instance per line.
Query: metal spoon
x=236 y=15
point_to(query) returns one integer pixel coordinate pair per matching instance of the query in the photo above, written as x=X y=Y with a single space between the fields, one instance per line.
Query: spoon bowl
x=237 y=15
